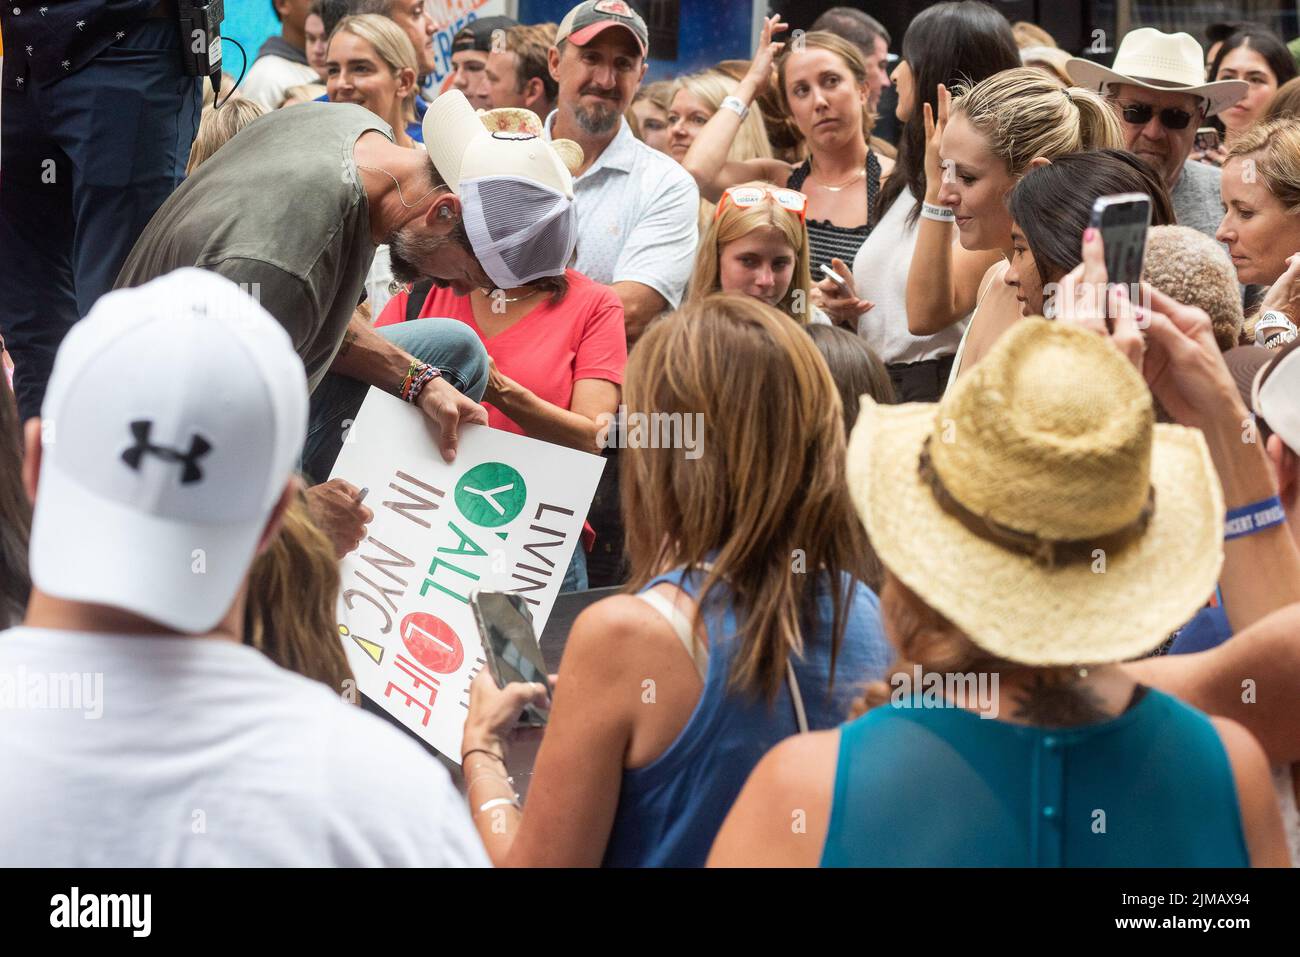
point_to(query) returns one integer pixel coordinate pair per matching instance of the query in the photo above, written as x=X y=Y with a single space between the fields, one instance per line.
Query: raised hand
x=760 y=68
x=934 y=168
x=1284 y=295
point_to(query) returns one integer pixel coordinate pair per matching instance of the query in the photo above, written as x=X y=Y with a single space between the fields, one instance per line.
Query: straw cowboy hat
x=1159 y=61
x=1039 y=507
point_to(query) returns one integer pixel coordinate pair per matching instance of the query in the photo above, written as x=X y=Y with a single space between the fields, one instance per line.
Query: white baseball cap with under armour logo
x=174 y=416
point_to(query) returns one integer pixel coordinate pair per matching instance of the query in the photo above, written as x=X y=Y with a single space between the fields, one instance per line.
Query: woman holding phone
x=1051 y=207
x=750 y=613
x=1064 y=759
x=946 y=43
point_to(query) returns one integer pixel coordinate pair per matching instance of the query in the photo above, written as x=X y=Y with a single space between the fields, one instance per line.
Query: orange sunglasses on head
x=790 y=200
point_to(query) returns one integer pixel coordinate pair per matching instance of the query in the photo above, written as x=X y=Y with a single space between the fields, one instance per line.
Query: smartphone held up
x=1123 y=220
x=510 y=644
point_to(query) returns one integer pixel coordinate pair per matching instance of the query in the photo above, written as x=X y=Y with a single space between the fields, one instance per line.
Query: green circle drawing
x=491 y=494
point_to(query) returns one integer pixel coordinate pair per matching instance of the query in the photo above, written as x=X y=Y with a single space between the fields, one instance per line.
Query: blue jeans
x=443 y=343
x=575 y=577
x=84 y=163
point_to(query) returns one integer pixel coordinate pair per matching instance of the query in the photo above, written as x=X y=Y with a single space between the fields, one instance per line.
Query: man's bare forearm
x=367 y=356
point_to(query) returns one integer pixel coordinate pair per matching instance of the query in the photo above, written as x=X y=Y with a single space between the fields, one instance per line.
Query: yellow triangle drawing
x=375 y=651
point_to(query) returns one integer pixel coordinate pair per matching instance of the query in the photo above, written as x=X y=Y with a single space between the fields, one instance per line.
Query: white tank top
x=880 y=275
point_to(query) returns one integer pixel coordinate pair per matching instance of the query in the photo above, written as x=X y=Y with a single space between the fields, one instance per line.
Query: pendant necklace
x=844 y=185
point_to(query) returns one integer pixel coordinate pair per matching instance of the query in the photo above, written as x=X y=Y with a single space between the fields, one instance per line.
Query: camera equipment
x=200 y=23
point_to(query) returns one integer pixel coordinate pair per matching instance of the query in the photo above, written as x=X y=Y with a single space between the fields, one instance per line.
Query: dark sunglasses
x=1139 y=114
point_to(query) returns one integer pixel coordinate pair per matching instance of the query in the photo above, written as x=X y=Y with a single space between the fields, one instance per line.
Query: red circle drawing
x=432 y=642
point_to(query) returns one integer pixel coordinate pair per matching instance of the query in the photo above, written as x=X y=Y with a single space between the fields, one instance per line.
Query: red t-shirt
x=548 y=349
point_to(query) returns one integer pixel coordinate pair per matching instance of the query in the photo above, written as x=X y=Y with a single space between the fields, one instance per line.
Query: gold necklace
x=835 y=189
x=493 y=295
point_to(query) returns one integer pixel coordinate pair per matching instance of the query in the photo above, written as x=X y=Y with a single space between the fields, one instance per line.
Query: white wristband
x=734 y=104
x=498 y=802
x=940 y=214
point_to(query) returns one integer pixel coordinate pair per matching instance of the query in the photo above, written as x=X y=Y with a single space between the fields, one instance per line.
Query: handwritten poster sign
x=506 y=516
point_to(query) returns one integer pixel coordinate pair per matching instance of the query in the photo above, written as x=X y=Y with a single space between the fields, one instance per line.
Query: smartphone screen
x=1207 y=138
x=509 y=641
x=1123 y=220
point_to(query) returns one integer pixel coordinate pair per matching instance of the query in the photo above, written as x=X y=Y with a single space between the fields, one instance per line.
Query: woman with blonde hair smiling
x=1047 y=753
x=757 y=245
x=750 y=614
x=986 y=138
x=370 y=62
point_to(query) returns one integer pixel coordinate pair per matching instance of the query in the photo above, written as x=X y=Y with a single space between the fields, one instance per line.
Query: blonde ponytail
x=1023 y=113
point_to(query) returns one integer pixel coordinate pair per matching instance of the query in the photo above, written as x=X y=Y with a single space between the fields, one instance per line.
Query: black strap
x=415 y=298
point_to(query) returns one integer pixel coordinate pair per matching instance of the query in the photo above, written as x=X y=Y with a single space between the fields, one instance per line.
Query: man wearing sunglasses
x=1157 y=86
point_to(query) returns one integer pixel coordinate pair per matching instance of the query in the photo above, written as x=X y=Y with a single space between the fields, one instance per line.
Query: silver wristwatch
x=1274 y=330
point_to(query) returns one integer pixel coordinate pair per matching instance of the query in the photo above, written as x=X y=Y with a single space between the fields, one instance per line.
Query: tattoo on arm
x=1058 y=700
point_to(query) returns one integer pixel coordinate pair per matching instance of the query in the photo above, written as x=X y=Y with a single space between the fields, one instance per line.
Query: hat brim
x=1114 y=608
x=450 y=125
x=1218 y=95
x=88 y=548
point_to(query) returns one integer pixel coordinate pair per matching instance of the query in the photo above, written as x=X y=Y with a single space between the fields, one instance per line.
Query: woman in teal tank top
x=1054 y=533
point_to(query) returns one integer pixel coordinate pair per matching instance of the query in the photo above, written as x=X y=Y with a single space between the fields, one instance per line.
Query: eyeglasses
x=1139 y=114
x=790 y=200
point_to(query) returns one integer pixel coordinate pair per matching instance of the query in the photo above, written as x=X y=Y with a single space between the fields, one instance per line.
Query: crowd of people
x=986 y=560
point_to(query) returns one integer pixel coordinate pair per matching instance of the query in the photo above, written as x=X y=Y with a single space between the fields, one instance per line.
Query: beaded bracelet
x=418 y=376
x=1249 y=519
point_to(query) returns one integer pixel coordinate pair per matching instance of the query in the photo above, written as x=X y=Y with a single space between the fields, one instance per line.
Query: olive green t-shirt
x=279 y=210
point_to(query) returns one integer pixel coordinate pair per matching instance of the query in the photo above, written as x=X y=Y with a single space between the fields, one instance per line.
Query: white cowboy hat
x=1159 y=61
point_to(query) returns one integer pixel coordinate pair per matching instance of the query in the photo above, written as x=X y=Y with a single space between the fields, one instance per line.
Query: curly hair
x=1193 y=269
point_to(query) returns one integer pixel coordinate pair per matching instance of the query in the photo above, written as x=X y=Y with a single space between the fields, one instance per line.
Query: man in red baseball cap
x=591 y=17
x=637 y=209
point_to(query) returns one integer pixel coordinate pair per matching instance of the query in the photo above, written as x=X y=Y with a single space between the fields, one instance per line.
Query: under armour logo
x=199 y=447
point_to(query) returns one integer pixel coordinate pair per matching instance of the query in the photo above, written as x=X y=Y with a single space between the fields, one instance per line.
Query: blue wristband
x=1249 y=519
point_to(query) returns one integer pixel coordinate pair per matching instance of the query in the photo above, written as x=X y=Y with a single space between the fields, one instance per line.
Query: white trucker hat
x=175 y=414
x=514 y=186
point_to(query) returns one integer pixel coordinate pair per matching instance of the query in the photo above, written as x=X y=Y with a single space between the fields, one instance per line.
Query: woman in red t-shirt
x=557 y=349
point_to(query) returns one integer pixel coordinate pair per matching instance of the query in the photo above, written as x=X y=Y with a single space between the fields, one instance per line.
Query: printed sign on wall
x=449 y=18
